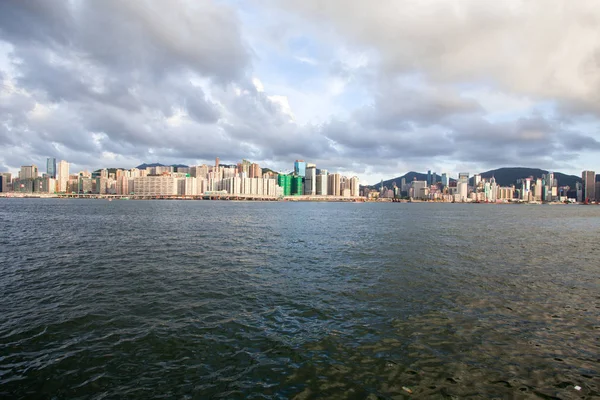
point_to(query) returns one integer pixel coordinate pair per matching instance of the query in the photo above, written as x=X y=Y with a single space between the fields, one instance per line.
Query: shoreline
x=250 y=198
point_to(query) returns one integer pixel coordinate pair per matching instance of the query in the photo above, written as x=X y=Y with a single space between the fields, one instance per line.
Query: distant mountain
x=509 y=176
x=503 y=176
x=409 y=176
x=144 y=165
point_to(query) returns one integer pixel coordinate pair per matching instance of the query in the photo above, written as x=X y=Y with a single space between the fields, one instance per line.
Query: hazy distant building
x=51 y=167
x=445 y=180
x=589 y=185
x=28 y=172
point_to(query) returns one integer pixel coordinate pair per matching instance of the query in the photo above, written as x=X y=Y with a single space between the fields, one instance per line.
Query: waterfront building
x=122 y=185
x=428 y=178
x=23 y=185
x=334 y=184
x=310 y=181
x=285 y=182
x=266 y=187
x=322 y=183
x=297 y=186
x=578 y=192
x=463 y=186
x=589 y=185
x=155 y=185
x=62 y=176
x=85 y=185
x=506 y=192
x=538 y=190
x=44 y=185
x=419 y=190
x=300 y=168
x=354 y=187
x=101 y=185
x=493 y=190
x=5 y=182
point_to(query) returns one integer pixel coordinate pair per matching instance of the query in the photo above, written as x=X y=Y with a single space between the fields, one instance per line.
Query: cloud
x=356 y=87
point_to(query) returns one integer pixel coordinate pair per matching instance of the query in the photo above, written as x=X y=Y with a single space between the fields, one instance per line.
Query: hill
x=504 y=177
x=144 y=165
x=409 y=176
x=509 y=176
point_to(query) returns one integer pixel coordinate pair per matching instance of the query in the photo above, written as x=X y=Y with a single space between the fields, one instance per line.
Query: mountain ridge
x=504 y=176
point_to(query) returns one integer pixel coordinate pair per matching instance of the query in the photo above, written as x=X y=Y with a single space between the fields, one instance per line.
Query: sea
x=171 y=299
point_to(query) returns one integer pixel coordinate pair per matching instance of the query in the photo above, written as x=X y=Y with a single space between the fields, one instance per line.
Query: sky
x=372 y=89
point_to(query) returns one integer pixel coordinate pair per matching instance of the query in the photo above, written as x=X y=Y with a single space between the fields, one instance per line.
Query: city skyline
x=371 y=91
x=248 y=179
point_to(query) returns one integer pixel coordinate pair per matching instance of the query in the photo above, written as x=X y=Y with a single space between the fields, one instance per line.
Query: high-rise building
x=589 y=185
x=419 y=190
x=51 y=167
x=538 y=189
x=429 y=178
x=462 y=187
x=28 y=172
x=579 y=191
x=310 y=181
x=62 y=176
x=300 y=168
x=322 y=184
x=5 y=181
x=354 y=187
x=255 y=171
x=445 y=180
x=334 y=185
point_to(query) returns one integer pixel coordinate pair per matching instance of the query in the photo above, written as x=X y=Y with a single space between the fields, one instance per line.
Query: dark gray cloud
x=115 y=82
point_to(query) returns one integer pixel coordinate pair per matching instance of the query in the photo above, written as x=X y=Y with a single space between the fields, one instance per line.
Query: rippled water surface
x=200 y=299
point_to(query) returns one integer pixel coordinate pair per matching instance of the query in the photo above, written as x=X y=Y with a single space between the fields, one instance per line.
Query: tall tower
x=62 y=175
x=51 y=168
x=589 y=185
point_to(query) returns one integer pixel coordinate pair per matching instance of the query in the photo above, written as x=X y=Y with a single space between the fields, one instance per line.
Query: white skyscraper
x=62 y=176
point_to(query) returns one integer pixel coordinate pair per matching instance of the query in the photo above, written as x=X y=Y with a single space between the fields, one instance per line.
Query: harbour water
x=215 y=299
